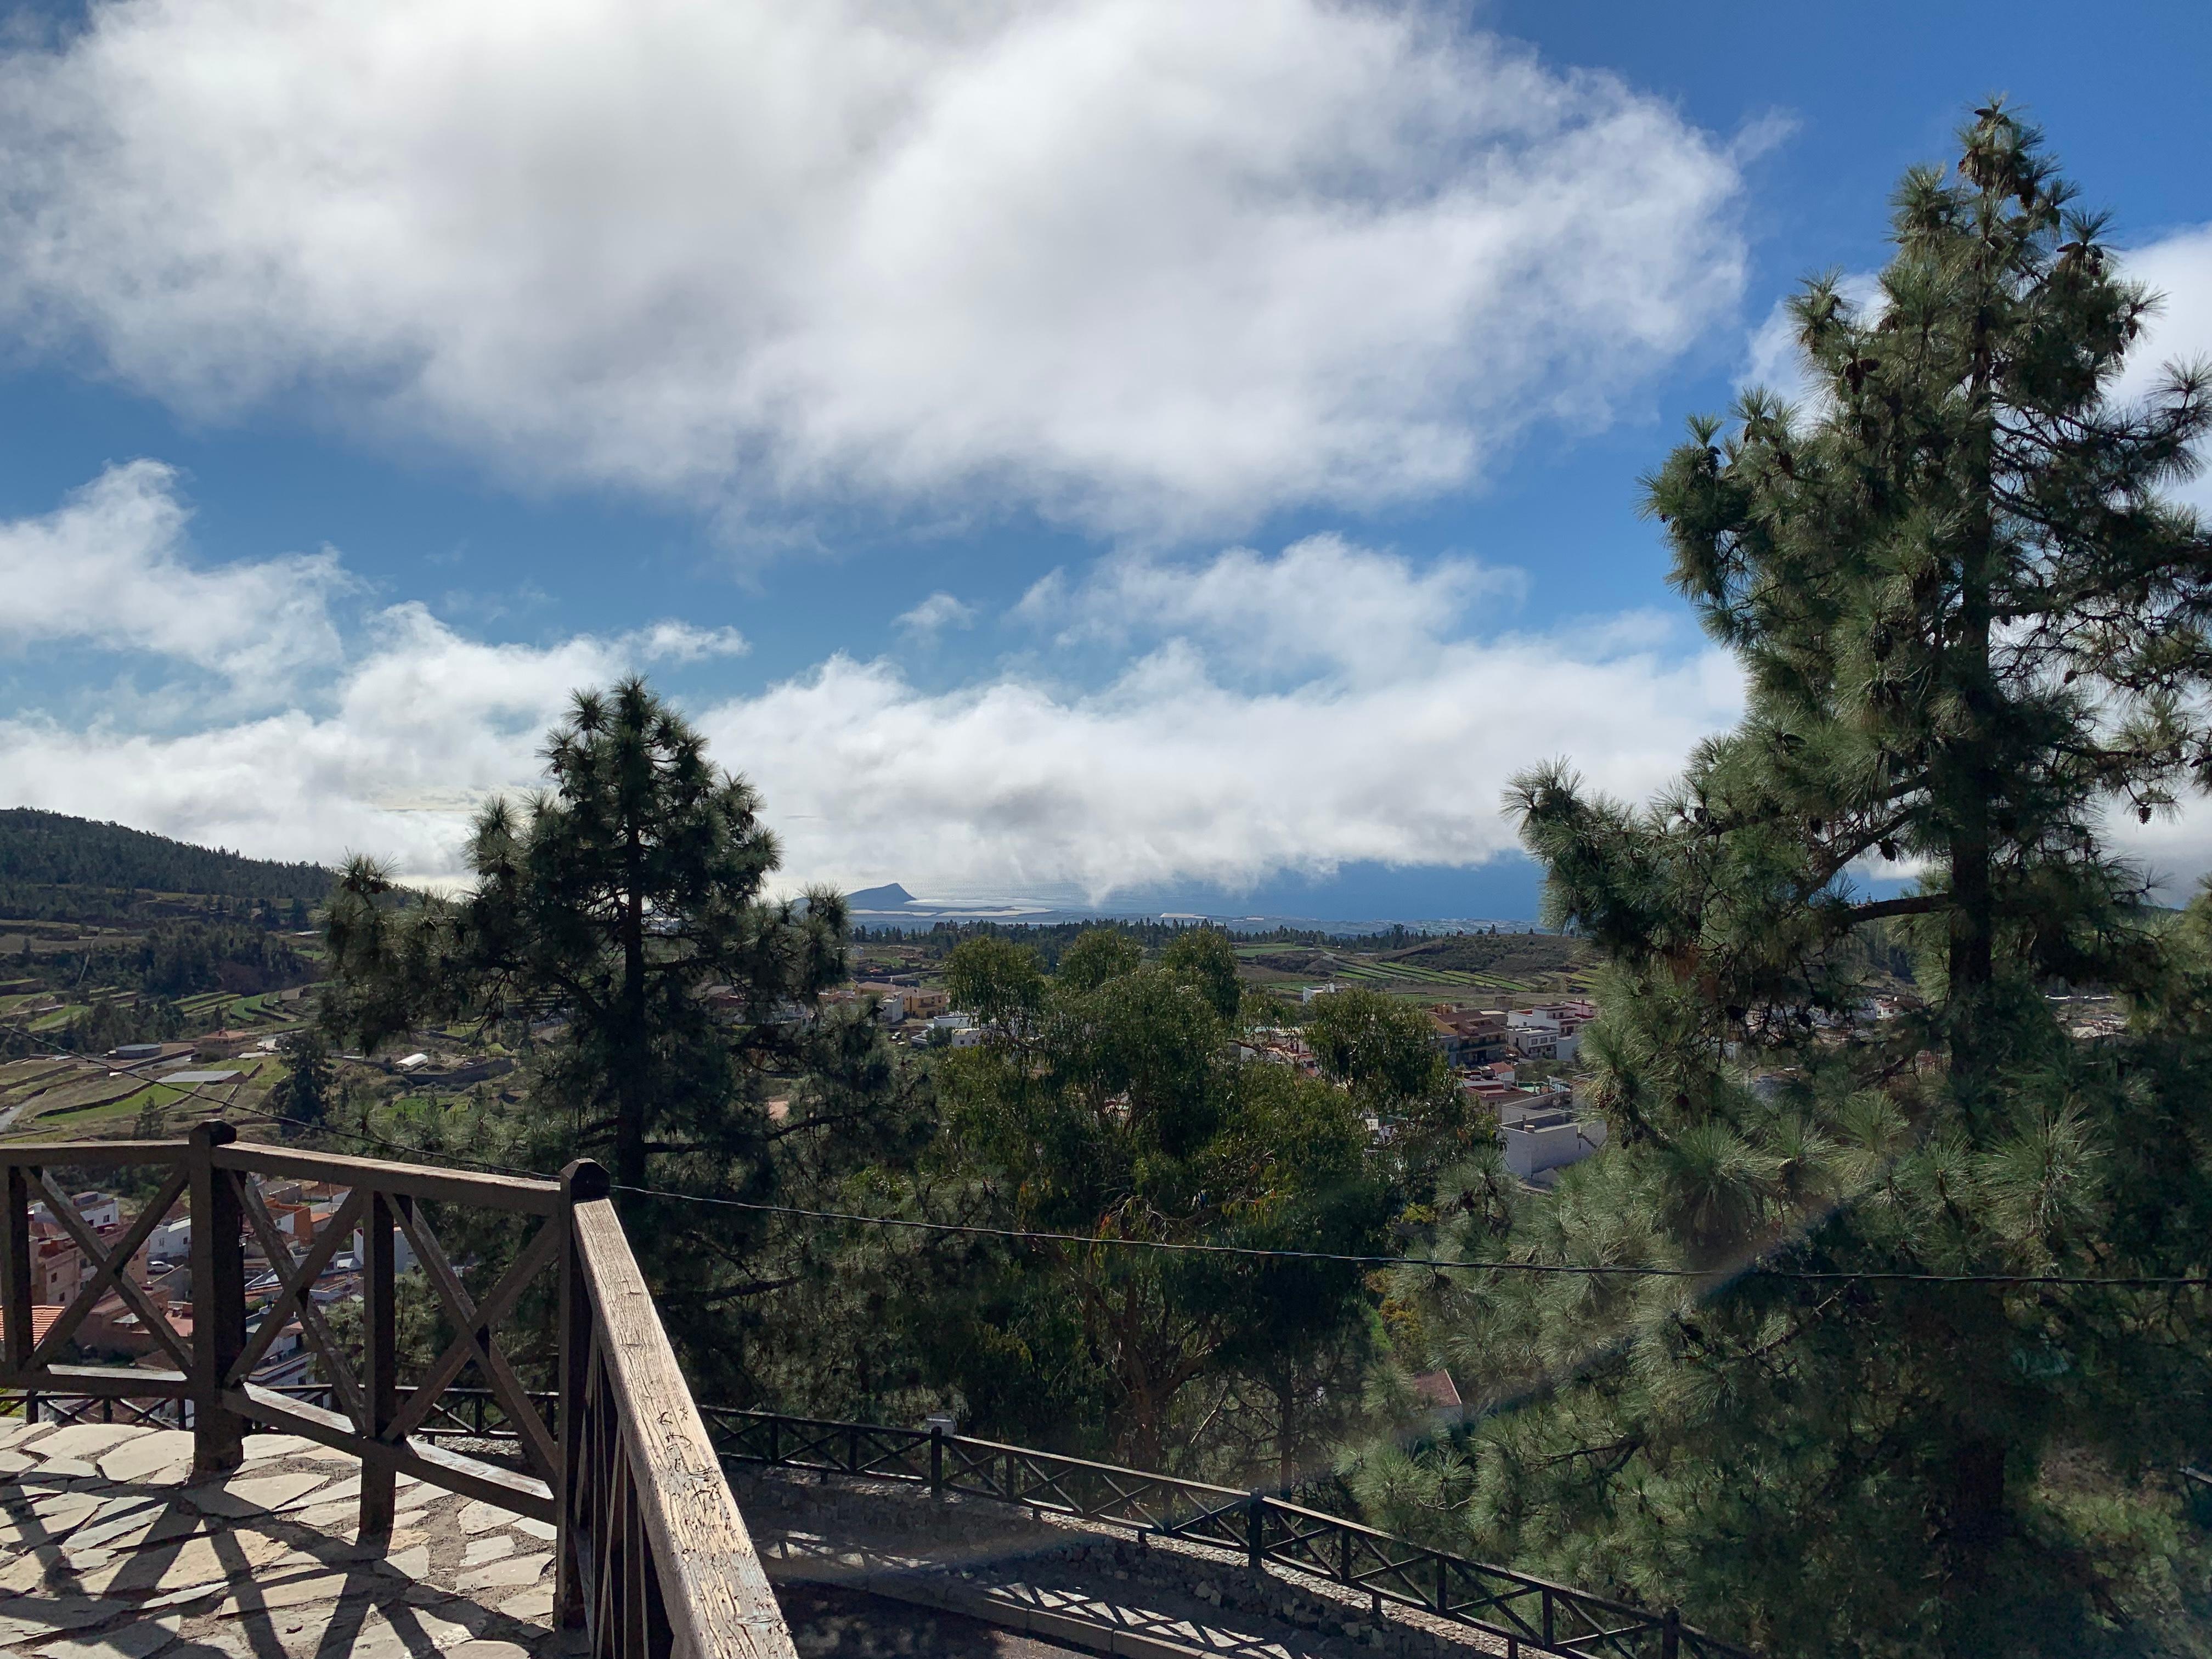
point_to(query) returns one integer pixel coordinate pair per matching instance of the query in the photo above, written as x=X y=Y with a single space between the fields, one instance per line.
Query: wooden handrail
x=655 y=1560
x=652 y=1518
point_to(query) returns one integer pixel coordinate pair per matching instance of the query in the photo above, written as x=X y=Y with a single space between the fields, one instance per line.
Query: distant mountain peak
x=893 y=898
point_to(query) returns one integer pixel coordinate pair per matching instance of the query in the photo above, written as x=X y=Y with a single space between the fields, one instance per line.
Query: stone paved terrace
x=108 y=1550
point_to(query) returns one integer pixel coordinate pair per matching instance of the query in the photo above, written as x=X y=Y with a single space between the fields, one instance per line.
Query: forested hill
x=40 y=852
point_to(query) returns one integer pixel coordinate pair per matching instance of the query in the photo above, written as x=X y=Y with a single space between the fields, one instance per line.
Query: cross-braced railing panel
x=38 y=1365
x=1531 y=1615
x=461 y=1414
x=654 y=1560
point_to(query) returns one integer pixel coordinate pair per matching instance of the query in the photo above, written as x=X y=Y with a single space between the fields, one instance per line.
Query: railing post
x=379 y=1337
x=1255 y=1531
x=1670 y=1634
x=15 y=1268
x=937 y=1461
x=581 y=1182
x=218 y=1259
x=1547 y=1615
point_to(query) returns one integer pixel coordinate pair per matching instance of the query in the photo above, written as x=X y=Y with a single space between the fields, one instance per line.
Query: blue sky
x=1096 y=450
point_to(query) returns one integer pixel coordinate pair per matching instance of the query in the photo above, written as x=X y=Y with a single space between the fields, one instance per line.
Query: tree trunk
x=632 y=1075
x=1974 y=1520
x=1970 y=964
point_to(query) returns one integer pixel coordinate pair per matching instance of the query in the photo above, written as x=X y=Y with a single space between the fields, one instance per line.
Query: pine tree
x=1973 y=630
x=617 y=932
x=616 y=903
x=303 y=1094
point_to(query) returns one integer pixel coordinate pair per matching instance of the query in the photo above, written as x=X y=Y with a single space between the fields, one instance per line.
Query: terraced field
x=1507 y=965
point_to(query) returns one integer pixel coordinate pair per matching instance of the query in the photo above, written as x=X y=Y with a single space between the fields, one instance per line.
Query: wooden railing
x=654 y=1560
x=1528 y=1615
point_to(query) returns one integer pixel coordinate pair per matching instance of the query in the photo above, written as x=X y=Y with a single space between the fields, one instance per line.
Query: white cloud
x=1168 y=773
x=1285 y=712
x=2179 y=267
x=1323 y=603
x=108 y=569
x=1773 y=357
x=1325 y=704
x=934 y=615
x=424 y=727
x=680 y=642
x=1147 y=265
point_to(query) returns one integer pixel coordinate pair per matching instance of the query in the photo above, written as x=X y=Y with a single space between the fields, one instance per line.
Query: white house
x=172 y=1240
x=403 y=1253
x=97 y=1210
x=1549 y=1140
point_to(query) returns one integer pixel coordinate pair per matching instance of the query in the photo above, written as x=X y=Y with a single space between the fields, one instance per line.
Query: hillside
x=110 y=935
x=51 y=865
x=1514 y=955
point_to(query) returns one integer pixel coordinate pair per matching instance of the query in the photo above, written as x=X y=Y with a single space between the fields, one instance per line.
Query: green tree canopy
x=1205 y=958
x=1117 y=1108
x=618 y=903
x=1384 y=1051
x=1972 y=628
x=618 y=933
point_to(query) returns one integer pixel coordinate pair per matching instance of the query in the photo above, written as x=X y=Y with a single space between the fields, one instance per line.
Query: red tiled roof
x=1438 y=1389
x=43 y=1315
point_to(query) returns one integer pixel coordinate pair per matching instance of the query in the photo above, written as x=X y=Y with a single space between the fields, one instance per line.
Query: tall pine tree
x=1973 y=633
x=618 y=932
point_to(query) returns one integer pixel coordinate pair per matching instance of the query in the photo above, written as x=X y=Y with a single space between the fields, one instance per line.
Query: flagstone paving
x=109 y=1550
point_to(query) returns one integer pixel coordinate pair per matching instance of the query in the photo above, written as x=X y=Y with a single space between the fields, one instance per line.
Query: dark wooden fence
x=654 y=1560
x=1531 y=1615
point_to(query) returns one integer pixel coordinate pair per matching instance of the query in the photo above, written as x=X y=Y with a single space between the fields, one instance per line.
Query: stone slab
x=136 y=1640
x=136 y=1529
x=306 y=1591
x=255 y=1495
x=262 y=1448
x=86 y=1440
x=154 y=1453
x=183 y=1566
x=29 y=1618
x=536 y=1605
x=27 y=1569
x=344 y=1487
x=488 y=1547
x=45 y=1523
x=480 y=1516
x=516 y=1570
x=61 y=1468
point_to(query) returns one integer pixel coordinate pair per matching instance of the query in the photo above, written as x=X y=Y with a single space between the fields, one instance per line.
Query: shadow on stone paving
x=828 y=1621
